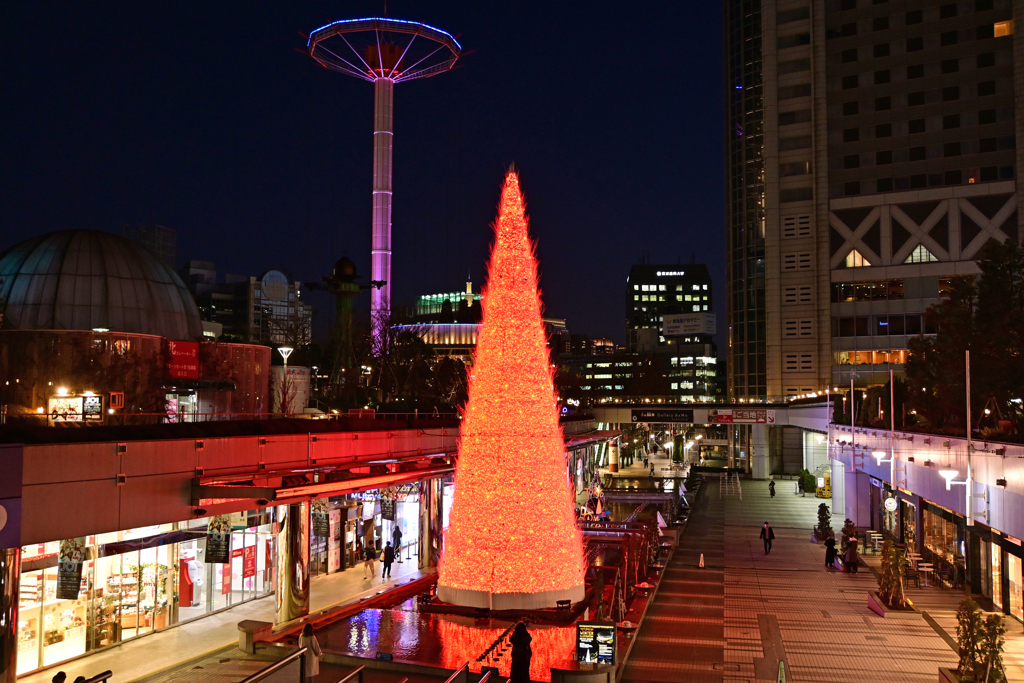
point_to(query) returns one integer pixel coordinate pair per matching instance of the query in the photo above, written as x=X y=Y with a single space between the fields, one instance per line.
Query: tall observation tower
x=384 y=52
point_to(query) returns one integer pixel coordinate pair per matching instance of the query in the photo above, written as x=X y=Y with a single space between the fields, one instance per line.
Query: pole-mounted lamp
x=880 y=457
x=949 y=475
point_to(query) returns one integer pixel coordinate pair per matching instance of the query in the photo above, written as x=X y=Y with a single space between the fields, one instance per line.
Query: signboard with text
x=688 y=323
x=662 y=415
x=183 y=360
x=64 y=408
x=742 y=416
x=595 y=642
x=92 y=408
x=218 y=540
x=69 y=568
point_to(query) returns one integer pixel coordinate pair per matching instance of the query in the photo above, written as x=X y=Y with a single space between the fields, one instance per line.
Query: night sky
x=209 y=118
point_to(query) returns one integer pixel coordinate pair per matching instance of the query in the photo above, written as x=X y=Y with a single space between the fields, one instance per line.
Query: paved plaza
x=736 y=618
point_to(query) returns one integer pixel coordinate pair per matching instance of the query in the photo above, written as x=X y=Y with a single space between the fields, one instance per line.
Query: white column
x=380 y=266
x=759 y=451
x=613 y=456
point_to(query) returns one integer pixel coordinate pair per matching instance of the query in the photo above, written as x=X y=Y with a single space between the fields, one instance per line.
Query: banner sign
x=321 y=521
x=595 y=642
x=92 y=408
x=741 y=416
x=183 y=360
x=69 y=568
x=387 y=509
x=662 y=415
x=218 y=540
x=688 y=323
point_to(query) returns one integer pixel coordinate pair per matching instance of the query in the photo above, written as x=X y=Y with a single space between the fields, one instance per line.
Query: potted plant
x=890 y=600
x=980 y=640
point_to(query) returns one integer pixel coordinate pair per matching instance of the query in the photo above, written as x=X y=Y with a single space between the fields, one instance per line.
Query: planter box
x=948 y=676
x=878 y=606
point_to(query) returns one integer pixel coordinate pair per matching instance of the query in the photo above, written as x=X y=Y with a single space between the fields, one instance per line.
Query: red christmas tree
x=512 y=541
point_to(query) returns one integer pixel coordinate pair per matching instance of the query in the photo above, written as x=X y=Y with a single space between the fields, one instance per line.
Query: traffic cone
x=701 y=565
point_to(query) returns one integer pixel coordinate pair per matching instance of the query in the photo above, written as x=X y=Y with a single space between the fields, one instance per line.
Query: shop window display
x=942 y=537
x=1014 y=567
x=997 y=577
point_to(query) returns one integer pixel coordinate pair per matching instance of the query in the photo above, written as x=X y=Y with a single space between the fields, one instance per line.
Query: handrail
x=356 y=672
x=277 y=666
x=483 y=679
x=99 y=678
x=458 y=672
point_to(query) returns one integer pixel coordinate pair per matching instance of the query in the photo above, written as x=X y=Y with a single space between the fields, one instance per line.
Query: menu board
x=595 y=642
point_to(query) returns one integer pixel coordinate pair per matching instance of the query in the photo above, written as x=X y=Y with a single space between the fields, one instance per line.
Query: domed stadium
x=90 y=280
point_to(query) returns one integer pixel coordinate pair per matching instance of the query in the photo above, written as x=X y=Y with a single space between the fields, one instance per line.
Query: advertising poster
x=225 y=579
x=739 y=416
x=249 y=562
x=387 y=508
x=64 y=408
x=218 y=540
x=321 y=523
x=69 y=568
x=92 y=408
x=595 y=642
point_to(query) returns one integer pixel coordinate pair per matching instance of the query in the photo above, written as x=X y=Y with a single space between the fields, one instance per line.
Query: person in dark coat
x=396 y=540
x=830 y=552
x=767 y=535
x=389 y=557
x=522 y=653
x=771 y=487
x=851 y=557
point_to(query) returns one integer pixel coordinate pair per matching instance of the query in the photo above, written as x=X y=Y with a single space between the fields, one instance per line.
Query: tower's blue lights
x=397 y=21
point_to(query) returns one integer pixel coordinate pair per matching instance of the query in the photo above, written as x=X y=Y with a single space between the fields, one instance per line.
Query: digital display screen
x=595 y=642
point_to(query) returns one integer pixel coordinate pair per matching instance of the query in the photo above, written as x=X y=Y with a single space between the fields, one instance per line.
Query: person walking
x=767 y=535
x=852 y=557
x=771 y=487
x=59 y=677
x=389 y=557
x=522 y=653
x=396 y=540
x=369 y=557
x=313 y=652
x=830 y=552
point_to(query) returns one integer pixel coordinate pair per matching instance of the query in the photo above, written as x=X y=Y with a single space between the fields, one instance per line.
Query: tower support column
x=10 y=577
x=292 y=589
x=613 y=456
x=380 y=269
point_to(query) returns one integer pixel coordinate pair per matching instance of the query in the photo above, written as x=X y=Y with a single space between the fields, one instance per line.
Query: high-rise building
x=654 y=291
x=870 y=155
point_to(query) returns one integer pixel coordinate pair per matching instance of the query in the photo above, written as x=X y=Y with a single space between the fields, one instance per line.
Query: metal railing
x=461 y=674
x=280 y=664
x=99 y=678
x=357 y=674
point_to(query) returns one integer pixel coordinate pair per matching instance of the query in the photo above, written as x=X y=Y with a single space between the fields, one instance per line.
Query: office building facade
x=870 y=157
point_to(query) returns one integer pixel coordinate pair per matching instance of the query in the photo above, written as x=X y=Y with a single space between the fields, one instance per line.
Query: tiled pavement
x=211 y=638
x=735 y=619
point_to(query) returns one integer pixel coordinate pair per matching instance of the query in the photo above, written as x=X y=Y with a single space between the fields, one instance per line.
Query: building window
x=915 y=71
x=920 y=255
x=987 y=145
x=883 y=103
x=850 y=108
x=850 y=82
x=880 y=24
x=881 y=50
x=986 y=59
x=915 y=17
x=796 y=168
x=915 y=44
x=950 y=121
x=883 y=130
x=793 y=40
x=849 y=56
x=851 y=135
x=915 y=99
x=851 y=161
x=986 y=88
x=882 y=77
x=916 y=126
x=952 y=177
x=1002 y=28
x=947 y=11
x=883 y=185
x=947 y=38
x=917 y=154
x=883 y=157
x=855 y=260
x=852 y=188
x=951 y=149
x=951 y=93
x=951 y=66
x=847 y=30
x=797 y=194
x=986 y=116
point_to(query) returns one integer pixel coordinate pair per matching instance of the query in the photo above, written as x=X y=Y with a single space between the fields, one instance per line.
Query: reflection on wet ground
x=443 y=640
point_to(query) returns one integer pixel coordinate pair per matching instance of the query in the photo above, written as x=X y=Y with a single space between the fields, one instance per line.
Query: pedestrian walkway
x=745 y=611
x=169 y=650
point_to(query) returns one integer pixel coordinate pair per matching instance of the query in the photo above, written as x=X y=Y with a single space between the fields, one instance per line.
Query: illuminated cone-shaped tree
x=512 y=541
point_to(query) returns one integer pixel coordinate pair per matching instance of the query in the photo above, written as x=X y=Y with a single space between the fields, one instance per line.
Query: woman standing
x=851 y=557
x=313 y=653
x=830 y=552
x=522 y=653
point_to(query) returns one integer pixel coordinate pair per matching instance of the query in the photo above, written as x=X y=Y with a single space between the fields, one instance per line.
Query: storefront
x=135 y=582
x=1000 y=575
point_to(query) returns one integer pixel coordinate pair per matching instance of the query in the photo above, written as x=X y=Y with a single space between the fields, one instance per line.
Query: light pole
x=285 y=351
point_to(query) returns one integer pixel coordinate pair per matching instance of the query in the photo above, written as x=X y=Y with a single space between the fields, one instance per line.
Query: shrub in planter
x=890 y=580
x=981 y=644
x=824 y=528
x=808 y=483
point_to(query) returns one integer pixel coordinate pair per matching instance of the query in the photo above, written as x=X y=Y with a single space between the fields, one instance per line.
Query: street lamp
x=285 y=351
x=949 y=475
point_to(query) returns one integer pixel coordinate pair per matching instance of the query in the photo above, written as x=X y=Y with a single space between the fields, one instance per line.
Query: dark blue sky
x=208 y=118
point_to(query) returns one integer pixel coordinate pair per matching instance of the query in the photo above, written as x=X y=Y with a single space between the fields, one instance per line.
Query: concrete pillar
x=292 y=589
x=759 y=451
x=10 y=576
x=613 y=456
x=839 y=494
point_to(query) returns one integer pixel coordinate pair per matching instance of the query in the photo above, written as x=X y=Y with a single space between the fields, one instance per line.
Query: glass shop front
x=135 y=582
